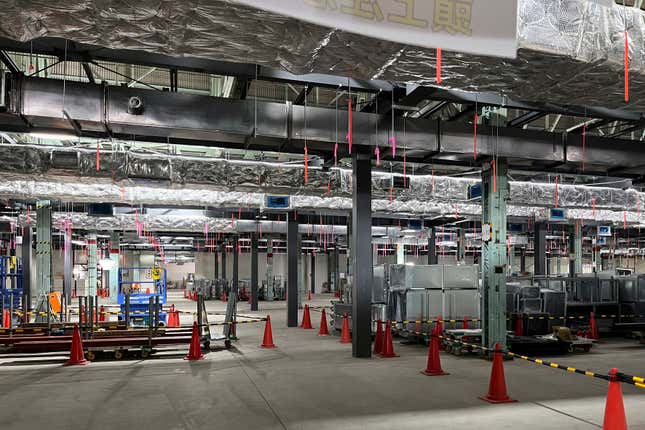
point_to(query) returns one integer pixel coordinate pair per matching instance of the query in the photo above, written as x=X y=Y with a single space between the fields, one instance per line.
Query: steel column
x=114 y=271
x=254 y=271
x=68 y=265
x=27 y=259
x=313 y=273
x=432 y=248
x=575 y=253
x=92 y=263
x=224 y=260
x=494 y=196
x=539 y=249
x=236 y=266
x=43 y=247
x=329 y=270
x=362 y=256
x=523 y=260
x=216 y=263
x=293 y=252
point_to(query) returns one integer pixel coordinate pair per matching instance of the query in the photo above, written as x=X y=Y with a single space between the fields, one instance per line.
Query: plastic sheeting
x=565 y=46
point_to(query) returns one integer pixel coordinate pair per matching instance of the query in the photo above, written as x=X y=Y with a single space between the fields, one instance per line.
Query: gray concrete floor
x=307 y=383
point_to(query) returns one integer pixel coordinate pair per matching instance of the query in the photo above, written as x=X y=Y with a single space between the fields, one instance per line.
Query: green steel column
x=114 y=271
x=495 y=194
x=577 y=248
x=91 y=264
x=43 y=247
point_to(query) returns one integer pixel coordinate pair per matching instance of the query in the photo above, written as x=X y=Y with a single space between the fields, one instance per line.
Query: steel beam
x=8 y=62
x=254 y=271
x=362 y=256
x=494 y=196
x=525 y=119
x=293 y=254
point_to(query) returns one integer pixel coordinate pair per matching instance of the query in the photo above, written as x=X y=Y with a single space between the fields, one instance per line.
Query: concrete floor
x=307 y=383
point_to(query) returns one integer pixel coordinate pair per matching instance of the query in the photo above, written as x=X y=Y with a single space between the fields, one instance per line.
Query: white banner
x=487 y=27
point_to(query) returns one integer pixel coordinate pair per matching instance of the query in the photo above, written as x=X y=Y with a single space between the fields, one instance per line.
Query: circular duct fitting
x=135 y=106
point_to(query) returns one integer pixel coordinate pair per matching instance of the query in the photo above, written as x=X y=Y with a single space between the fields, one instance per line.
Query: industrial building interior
x=295 y=215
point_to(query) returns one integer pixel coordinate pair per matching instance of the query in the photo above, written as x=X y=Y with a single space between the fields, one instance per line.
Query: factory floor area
x=308 y=382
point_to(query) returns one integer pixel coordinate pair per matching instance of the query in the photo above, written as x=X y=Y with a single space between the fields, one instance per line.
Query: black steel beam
x=459 y=115
x=362 y=255
x=88 y=72
x=300 y=99
x=627 y=130
x=525 y=119
x=293 y=253
x=427 y=112
x=254 y=272
x=8 y=62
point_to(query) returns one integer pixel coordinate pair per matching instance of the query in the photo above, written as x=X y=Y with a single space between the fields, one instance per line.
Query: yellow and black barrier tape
x=622 y=377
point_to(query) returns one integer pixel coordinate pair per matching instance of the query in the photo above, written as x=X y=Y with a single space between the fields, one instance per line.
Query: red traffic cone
x=76 y=355
x=224 y=298
x=94 y=316
x=102 y=313
x=378 y=339
x=147 y=290
x=465 y=323
x=324 y=330
x=433 y=368
x=267 y=341
x=345 y=336
x=195 y=351
x=388 y=346
x=614 y=408
x=173 y=317
x=309 y=296
x=519 y=325
x=306 y=319
x=6 y=319
x=83 y=316
x=497 y=386
x=593 y=326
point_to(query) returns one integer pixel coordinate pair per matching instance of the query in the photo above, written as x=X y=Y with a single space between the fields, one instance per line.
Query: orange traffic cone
x=433 y=368
x=267 y=340
x=497 y=386
x=83 y=316
x=76 y=355
x=388 y=346
x=519 y=325
x=6 y=319
x=324 y=330
x=614 y=408
x=195 y=351
x=173 y=317
x=306 y=319
x=593 y=326
x=94 y=316
x=378 y=339
x=465 y=323
x=345 y=336
x=102 y=313
x=147 y=290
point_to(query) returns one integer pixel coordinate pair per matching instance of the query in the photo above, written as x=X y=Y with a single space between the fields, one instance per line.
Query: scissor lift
x=136 y=306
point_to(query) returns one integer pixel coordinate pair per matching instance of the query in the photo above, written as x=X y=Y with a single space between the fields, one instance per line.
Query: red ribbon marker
x=494 y=166
x=438 y=65
x=98 y=157
x=626 y=67
x=377 y=152
x=393 y=143
x=306 y=165
x=350 y=122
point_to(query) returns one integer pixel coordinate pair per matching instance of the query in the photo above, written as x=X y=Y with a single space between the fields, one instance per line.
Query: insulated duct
x=234 y=176
x=565 y=46
x=95 y=190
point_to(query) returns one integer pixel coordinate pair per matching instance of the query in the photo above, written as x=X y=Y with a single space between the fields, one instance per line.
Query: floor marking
x=275 y=414
x=568 y=415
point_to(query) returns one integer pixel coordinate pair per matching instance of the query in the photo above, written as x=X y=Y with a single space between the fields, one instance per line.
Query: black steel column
x=313 y=273
x=523 y=260
x=432 y=250
x=254 y=271
x=362 y=256
x=27 y=261
x=236 y=265
x=224 y=260
x=539 y=249
x=292 y=270
x=216 y=270
x=329 y=269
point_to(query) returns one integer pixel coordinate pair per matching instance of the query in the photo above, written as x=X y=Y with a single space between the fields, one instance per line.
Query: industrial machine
x=10 y=283
x=142 y=289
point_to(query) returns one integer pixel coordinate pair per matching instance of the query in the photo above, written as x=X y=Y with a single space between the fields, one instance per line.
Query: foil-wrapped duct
x=566 y=47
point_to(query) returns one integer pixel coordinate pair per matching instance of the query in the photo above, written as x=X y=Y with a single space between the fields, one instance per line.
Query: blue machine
x=11 y=275
x=139 y=297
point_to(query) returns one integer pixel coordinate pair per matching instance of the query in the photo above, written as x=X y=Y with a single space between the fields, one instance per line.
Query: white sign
x=486 y=27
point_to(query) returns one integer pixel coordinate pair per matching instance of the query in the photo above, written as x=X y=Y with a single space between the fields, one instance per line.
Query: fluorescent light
x=78 y=242
x=54 y=136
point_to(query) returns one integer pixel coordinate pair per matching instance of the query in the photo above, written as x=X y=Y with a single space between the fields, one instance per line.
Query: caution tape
x=622 y=377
